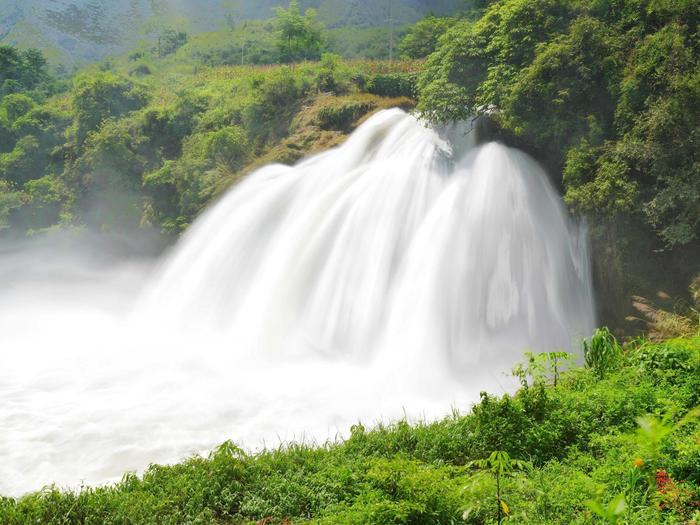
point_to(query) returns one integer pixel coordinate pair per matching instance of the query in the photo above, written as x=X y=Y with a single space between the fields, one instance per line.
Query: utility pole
x=391 y=32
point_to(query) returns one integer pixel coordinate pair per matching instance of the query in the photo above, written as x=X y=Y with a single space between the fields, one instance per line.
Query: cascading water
x=402 y=272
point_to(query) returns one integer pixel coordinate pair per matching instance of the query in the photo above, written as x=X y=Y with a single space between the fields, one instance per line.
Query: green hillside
x=76 y=32
x=117 y=149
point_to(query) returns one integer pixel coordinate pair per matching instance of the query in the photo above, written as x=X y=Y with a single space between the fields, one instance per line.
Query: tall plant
x=602 y=353
x=500 y=465
x=298 y=36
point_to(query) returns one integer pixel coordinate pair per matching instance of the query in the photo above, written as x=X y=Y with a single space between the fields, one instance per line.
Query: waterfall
x=398 y=274
x=397 y=243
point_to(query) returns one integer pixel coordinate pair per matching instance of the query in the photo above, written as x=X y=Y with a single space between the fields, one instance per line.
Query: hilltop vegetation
x=147 y=139
x=615 y=442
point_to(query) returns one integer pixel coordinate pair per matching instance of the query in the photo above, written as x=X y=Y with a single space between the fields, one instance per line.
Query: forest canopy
x=607 y=92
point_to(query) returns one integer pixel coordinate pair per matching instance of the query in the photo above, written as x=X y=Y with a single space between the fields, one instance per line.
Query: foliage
x=341 y=113
x=298 y=36
x=422 y=38
x=334 y=76
x=116 y=153
x=538 y=366
x=664 y=323
x=169 y=41
x=392 y=85
x=21 y=70
x=613 y=511
x=369 y=42
x=101 y=96
x=499 y=464
x=606 y=91
x=602 y=353
x=9 y=201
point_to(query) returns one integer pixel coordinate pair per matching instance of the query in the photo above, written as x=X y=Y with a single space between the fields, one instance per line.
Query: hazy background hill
x=75 y=32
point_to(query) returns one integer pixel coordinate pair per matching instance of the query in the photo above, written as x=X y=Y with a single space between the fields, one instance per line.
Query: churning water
x=399 y=274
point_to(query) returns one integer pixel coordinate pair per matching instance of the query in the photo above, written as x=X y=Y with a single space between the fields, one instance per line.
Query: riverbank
x=618 y=439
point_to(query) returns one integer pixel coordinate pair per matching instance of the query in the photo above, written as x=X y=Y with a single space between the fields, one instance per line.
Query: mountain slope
x=74 y=32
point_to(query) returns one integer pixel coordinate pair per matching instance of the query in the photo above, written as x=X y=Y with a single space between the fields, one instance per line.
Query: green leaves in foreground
x=612 y=512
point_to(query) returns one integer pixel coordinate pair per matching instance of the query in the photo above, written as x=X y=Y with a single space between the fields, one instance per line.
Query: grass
x=584 y=439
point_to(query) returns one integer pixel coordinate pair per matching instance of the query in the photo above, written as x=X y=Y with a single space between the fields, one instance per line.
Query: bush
x=276 y=100
x=392 y=85
x=10 y=200
x=602 y=353
x=333 y=76
x=16 y=106
x=101 y=96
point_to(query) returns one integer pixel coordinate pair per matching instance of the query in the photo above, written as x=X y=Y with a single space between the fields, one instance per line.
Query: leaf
x=596 y=507
x=505 y=507
x=618 y=505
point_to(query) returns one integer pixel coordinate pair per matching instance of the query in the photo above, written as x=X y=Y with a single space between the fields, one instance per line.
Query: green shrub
x=333 y=76
x=392 y=85
x=16 y=105
x=277 y=97
x=101 y=96
x=24 y=162
x=10 y=200
x=602 y=353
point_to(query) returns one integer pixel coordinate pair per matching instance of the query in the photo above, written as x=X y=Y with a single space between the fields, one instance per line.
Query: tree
x=299 y=37
x=170 y=40
x=21 y=70
x=101 y=96
x=422 y=38
x=10 y=64
x=500 y=465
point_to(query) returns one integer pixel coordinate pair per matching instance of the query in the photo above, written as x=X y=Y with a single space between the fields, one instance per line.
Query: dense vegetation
x=615 y=442
x=116 y=151
x=607 y=94
x=147 y=139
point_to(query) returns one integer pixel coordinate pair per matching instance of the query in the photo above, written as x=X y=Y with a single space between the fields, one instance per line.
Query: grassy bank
x=616 y=441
